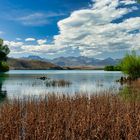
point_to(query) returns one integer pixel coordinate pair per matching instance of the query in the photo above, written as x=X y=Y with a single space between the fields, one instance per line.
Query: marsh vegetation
x=78 y=117
x=58 y=83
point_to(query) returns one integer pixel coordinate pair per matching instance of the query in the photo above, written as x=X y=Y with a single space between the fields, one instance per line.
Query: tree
x=112 y=68
x=109 y=68
x=138 y=1
x=4 y=51
x=130 y=65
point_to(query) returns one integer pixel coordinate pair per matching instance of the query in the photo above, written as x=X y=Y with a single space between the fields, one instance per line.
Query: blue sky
x=70 y=27
x=35 y=26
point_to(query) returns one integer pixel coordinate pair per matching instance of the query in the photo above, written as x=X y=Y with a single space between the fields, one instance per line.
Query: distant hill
x=78 y=61
x=83 y=61
x=34 y=57
x=24 y=64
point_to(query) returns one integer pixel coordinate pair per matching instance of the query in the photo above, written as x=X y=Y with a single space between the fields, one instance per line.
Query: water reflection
x=3 y=92
x=28 y=83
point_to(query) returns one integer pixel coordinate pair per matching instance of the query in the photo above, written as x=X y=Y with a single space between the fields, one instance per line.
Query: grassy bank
x=70 y=118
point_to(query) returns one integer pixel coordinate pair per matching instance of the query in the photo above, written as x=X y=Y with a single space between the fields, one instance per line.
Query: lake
x=19 y=83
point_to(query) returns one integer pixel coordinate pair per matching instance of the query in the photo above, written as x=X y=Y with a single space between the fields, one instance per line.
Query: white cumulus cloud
x=41 y=41
x=93 y=31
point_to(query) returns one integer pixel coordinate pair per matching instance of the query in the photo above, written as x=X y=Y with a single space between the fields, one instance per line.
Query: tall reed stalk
x=79 y=117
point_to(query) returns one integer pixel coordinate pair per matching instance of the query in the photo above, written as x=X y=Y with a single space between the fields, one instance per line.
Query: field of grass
x=79 y=117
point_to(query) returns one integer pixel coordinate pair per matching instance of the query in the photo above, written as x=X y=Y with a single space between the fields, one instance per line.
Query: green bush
x=117 y=68
x=130 y=65
x=4 y=67
x=138 y=1
x=109 y=68
x=112 y=68
x=4 y=51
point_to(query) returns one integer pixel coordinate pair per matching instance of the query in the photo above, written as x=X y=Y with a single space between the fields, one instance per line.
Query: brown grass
x=103 y=117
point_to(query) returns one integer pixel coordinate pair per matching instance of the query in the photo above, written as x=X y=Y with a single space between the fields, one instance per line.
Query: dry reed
x=58 y=83
x=102 y=117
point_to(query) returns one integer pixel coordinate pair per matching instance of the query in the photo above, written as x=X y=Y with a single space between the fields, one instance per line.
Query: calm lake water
x=19 y=83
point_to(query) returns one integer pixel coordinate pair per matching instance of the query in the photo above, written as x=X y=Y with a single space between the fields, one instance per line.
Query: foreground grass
x=79 y=117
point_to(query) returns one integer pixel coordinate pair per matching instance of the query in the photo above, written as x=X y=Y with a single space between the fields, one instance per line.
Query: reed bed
x=80 y=117
x=58 y=83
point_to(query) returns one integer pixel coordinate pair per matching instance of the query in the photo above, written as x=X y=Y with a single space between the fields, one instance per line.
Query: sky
x=54 y=28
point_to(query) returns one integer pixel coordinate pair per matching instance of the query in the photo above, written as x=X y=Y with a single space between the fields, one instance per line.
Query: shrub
x=130 y=65
x=109 y=68
x=112 y=68
x=4 y=51
x=4 y=67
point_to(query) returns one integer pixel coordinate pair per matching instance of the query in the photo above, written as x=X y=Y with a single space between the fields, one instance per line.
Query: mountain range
x=26 y=64
x=76 y=61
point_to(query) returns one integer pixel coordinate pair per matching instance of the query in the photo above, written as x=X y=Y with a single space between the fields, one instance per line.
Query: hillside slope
x=21 y=64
